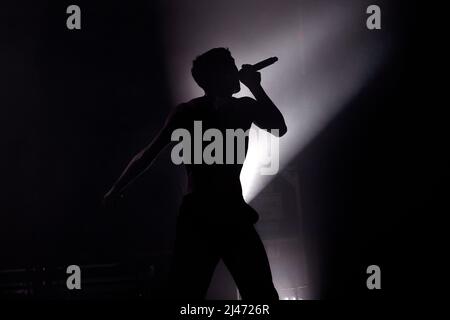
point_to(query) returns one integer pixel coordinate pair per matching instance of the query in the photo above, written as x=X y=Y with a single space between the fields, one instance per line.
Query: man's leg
x=195 y=259
x=245 y=256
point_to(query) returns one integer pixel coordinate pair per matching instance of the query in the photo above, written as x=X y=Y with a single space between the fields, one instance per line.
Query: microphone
x=265 y=63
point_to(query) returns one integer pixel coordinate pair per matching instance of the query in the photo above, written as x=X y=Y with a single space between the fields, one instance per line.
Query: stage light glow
x=325 y=57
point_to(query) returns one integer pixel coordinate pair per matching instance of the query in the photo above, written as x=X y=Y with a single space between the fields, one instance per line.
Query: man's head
x=216 y=73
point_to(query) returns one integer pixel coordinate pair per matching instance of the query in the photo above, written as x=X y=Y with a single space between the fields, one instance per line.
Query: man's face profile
x=225 y=78
x=216 y=72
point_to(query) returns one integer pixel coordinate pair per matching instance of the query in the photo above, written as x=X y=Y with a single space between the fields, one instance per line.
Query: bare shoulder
x=247 y=101
x=182 y=112
x=181 y=107
x=176 y=115
x=185 y=108
x=191 y=105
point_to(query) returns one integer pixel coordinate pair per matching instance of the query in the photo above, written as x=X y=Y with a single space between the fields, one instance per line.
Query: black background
x=76 y=105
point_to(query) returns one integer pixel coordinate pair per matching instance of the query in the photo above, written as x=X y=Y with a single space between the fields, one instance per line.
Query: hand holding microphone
x=249 y=74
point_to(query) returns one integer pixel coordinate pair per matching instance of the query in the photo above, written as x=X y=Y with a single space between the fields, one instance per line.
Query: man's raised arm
x=265 y=113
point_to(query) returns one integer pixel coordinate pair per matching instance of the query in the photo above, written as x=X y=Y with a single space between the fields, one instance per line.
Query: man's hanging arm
x=143 y=160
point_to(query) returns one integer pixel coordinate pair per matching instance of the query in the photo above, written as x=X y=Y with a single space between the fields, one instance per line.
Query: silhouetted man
x=214 y=221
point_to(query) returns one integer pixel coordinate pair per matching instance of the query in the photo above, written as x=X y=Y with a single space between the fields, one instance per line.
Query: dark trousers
x=209 y=232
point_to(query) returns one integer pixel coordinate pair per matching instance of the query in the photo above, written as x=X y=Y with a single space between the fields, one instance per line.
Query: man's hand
x=249 y=76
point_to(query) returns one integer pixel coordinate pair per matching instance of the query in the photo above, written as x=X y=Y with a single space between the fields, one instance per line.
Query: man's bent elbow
x=279 y=131
x=283 y=130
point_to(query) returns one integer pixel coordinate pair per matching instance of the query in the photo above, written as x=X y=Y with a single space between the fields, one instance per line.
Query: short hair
x=204 y=65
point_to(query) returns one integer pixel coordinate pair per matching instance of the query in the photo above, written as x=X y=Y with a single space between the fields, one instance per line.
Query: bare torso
x=230 y=113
